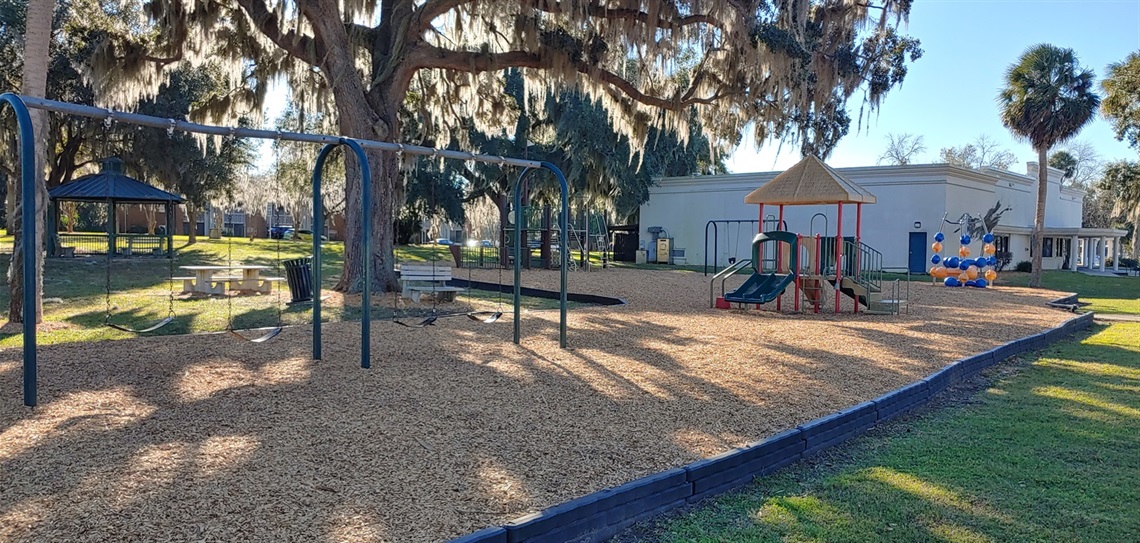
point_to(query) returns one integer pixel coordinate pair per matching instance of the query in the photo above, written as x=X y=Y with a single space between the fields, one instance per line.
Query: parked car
x=443 y=241
x=304 y=234
x=278 y=232
x=487 y=243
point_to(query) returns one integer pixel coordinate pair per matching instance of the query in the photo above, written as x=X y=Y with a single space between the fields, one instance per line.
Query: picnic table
x=205 y=281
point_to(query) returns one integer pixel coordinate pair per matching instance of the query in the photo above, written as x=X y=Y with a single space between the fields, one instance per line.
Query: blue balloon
x=992 y=261
x=969 y=262
x=939 y=237
x=964 y=265
x=972 y=283
x=935 y=259
x=952 y=262
x=981 y=283
x=988 y=238
x=951 y=282
x=965 y=239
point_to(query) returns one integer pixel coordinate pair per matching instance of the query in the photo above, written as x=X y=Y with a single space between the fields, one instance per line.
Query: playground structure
x=961 y=270
x=811 y=265
x=26 y=137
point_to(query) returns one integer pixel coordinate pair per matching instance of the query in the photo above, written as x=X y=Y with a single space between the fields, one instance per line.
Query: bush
x=1128 y=262
x=1024 y=266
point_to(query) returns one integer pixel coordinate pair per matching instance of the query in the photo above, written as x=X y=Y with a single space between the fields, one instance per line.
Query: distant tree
x=901 y=149
x=1097 y=208
x=1047 y=99
x=983 y=152
x=1122 y=98
x=202 y=170
x=1081 y=163
x=1122 y=182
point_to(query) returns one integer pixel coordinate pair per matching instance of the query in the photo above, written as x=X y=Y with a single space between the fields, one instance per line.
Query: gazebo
x=111 y=187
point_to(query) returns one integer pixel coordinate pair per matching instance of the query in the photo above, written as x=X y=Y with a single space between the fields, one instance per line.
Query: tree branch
x=429 y=56
x=299 y=46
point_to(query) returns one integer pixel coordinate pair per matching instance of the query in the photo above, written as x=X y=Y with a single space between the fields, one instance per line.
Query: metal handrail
x=731 y=270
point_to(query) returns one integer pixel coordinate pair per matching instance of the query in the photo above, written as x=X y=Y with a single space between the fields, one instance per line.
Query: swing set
x=26 y=137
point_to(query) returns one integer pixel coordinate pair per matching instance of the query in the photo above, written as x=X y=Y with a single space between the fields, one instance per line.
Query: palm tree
x=1047 y=99
x=37 y=41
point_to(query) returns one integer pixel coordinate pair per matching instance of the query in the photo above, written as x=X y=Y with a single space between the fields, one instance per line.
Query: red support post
x=859 y=248
x=759 y=266
x=799 y=243
x=818 y=271
x=838 y=255
x=779 y=255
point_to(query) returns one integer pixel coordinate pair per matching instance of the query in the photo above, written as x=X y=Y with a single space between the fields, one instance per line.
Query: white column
x=1115 y=254
x=1103 y=251
x=1074 y=250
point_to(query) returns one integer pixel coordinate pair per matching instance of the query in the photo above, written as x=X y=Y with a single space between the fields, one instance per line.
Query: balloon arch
x=961 y=270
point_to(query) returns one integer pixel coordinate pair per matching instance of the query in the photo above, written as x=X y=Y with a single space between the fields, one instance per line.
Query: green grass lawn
x=1045 y=454
x=75 y=294
x=1048 y=452
x=1104 y=294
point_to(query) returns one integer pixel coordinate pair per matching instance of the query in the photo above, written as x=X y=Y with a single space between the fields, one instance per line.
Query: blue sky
x=950 y=95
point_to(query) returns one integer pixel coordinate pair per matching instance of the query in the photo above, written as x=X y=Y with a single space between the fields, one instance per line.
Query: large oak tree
x=789 y=66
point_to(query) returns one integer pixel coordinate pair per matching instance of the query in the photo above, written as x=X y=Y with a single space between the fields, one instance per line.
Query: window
x=1001 y=244
x=1047 y=248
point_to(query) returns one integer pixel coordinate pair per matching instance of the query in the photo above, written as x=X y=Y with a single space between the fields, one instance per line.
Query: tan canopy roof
x=810 y=182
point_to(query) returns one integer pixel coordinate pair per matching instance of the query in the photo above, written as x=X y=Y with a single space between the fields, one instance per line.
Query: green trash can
x=299 y=274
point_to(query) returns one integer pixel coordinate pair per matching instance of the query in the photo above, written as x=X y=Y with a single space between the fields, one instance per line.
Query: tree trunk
x=192 y=219
x=37 y=40
x=360 y=117
x=1038 y=241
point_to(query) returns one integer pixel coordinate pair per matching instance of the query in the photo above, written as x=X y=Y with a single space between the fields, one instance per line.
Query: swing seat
x=148 y=329
x=272 y=333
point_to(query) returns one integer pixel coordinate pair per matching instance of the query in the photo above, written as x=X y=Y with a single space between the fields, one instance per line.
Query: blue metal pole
x=518 y=251
x=366 y=231
x=564 y=224
x=318 y=172
x=28 y=233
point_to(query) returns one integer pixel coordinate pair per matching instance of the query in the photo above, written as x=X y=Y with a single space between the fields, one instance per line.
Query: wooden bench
x=416 y=279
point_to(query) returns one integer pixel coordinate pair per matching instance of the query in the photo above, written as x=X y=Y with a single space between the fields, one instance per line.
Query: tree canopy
x=983 y=152
x=789 y=67
x=1047 y=99
x=1122 y=98
x=902 y=149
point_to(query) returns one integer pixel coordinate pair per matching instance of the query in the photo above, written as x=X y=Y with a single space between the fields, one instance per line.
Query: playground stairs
x=862 y=281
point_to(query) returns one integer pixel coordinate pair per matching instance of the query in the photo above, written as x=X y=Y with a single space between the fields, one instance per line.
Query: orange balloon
x=934 y=272
x=939 y=272
x=991 y=275
x=963 y=277
x=963 y=251
x=972 y=272
x=937 y=247
x=989 y=249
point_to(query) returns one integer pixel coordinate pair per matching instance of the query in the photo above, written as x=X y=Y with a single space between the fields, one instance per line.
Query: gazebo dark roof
x=111 y=184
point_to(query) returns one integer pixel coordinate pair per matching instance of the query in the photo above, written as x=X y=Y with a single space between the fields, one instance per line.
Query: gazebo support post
x=111 y=229
x=169 y=229
x=53 y=229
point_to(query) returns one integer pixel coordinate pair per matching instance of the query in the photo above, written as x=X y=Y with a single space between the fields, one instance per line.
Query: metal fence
x=94 y=243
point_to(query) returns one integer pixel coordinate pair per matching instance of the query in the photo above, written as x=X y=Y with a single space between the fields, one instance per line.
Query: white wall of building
x=906 y=195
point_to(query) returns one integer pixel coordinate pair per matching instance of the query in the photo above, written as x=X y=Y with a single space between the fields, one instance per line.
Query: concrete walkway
x=1096 y=272
x=1116 y=317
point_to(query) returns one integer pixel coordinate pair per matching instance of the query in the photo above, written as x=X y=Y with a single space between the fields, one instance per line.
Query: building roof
x=810 y=182
x=111 y=184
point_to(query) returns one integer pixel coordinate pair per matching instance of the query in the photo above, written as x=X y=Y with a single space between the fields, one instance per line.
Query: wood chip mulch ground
x=455 y=428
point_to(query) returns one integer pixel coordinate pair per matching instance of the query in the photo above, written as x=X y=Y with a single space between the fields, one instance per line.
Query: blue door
x=917 y=252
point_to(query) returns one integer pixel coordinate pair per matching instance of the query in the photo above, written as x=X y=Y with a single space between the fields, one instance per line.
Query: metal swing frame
x=26 y=141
